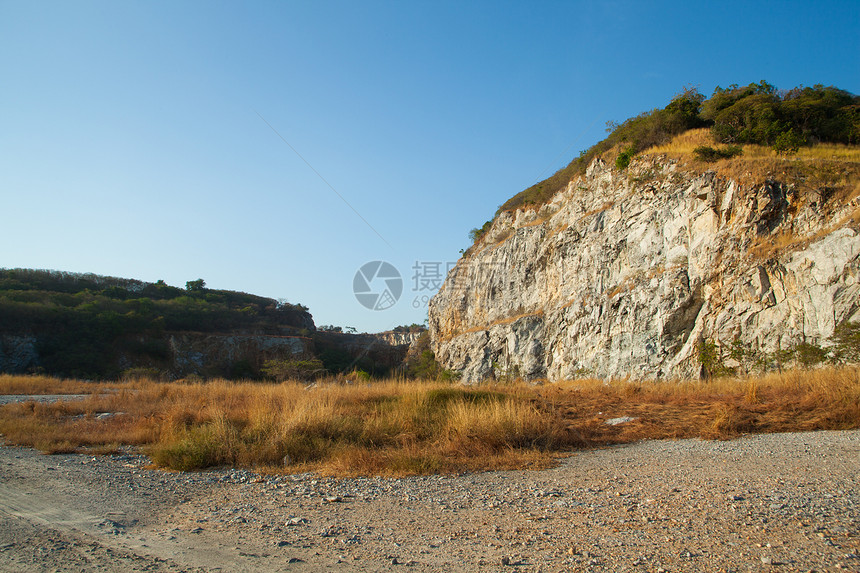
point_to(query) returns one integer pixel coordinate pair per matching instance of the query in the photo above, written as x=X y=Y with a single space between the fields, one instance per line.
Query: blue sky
x=132 y=144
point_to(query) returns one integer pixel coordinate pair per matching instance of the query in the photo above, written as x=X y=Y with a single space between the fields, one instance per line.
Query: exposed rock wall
x=230 y=354
x=18 y=354
x=204 y=353
x=379 y=352
x=623 y=273
x=394 y=338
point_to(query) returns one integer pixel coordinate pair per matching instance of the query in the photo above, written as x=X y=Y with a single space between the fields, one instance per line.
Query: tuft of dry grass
x=398 y=427
x=684 y=143
x=765 y=247
x=389 y=427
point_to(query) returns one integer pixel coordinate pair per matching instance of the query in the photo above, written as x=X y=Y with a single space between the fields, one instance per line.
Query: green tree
x=195 y=286
x=477 y=233
x=788 y=141
x=623 y=159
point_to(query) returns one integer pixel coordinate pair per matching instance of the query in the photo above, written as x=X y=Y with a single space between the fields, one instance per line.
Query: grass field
x=398 y=427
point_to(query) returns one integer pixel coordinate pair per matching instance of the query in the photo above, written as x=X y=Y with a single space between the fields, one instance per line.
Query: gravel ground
x=784 y=502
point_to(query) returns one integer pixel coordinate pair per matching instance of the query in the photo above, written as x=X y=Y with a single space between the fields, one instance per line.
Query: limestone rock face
x=623 y=273
x=394 y=338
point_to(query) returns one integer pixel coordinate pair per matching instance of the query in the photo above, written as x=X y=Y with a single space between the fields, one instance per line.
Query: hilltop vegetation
x=26 y=296
x=757 y=114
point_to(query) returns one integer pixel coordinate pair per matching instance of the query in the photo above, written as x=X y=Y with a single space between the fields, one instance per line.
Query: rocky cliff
x=396 y=338
x=627 y=273
x=234 y=355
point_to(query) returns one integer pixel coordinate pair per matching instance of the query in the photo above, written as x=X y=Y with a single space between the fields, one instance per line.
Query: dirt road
x=790 y=502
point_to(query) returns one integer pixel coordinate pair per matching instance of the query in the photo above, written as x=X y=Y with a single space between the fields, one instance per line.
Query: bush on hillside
x=788 y=142
x=710 y=154
x=623 y=159
x=477 y=233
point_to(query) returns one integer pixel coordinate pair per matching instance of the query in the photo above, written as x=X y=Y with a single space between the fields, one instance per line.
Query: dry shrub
x=752 y=392
x=729 y=421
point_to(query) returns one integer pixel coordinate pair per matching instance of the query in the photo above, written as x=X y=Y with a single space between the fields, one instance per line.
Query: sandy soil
x=787 y=502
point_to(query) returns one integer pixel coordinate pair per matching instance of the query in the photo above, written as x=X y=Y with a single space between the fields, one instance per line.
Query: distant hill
x=96 y=326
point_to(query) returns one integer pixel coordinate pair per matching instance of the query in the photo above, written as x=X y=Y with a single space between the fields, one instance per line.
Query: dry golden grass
x=684 y=144
x=11 y=384
x=798 y=400
x=385 y=427
x=830 y=165
x=400 y=427
x=821 y=152
x=767 y=246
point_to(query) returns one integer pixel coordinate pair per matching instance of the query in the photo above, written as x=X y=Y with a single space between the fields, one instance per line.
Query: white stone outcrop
x=624 y=273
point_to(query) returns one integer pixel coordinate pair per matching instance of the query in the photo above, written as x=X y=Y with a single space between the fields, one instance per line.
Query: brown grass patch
x=767 y=246
x=388 y=427
x=683 y=145
x=13 y=384
x=400 y=427
x=801 y=400
x=605 y=207
x=822 y=165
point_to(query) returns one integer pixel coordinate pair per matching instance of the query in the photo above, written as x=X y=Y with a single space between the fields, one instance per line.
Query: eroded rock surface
x=623 y=273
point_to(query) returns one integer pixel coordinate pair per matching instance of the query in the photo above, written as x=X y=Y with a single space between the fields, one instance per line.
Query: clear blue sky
x=131 y=142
